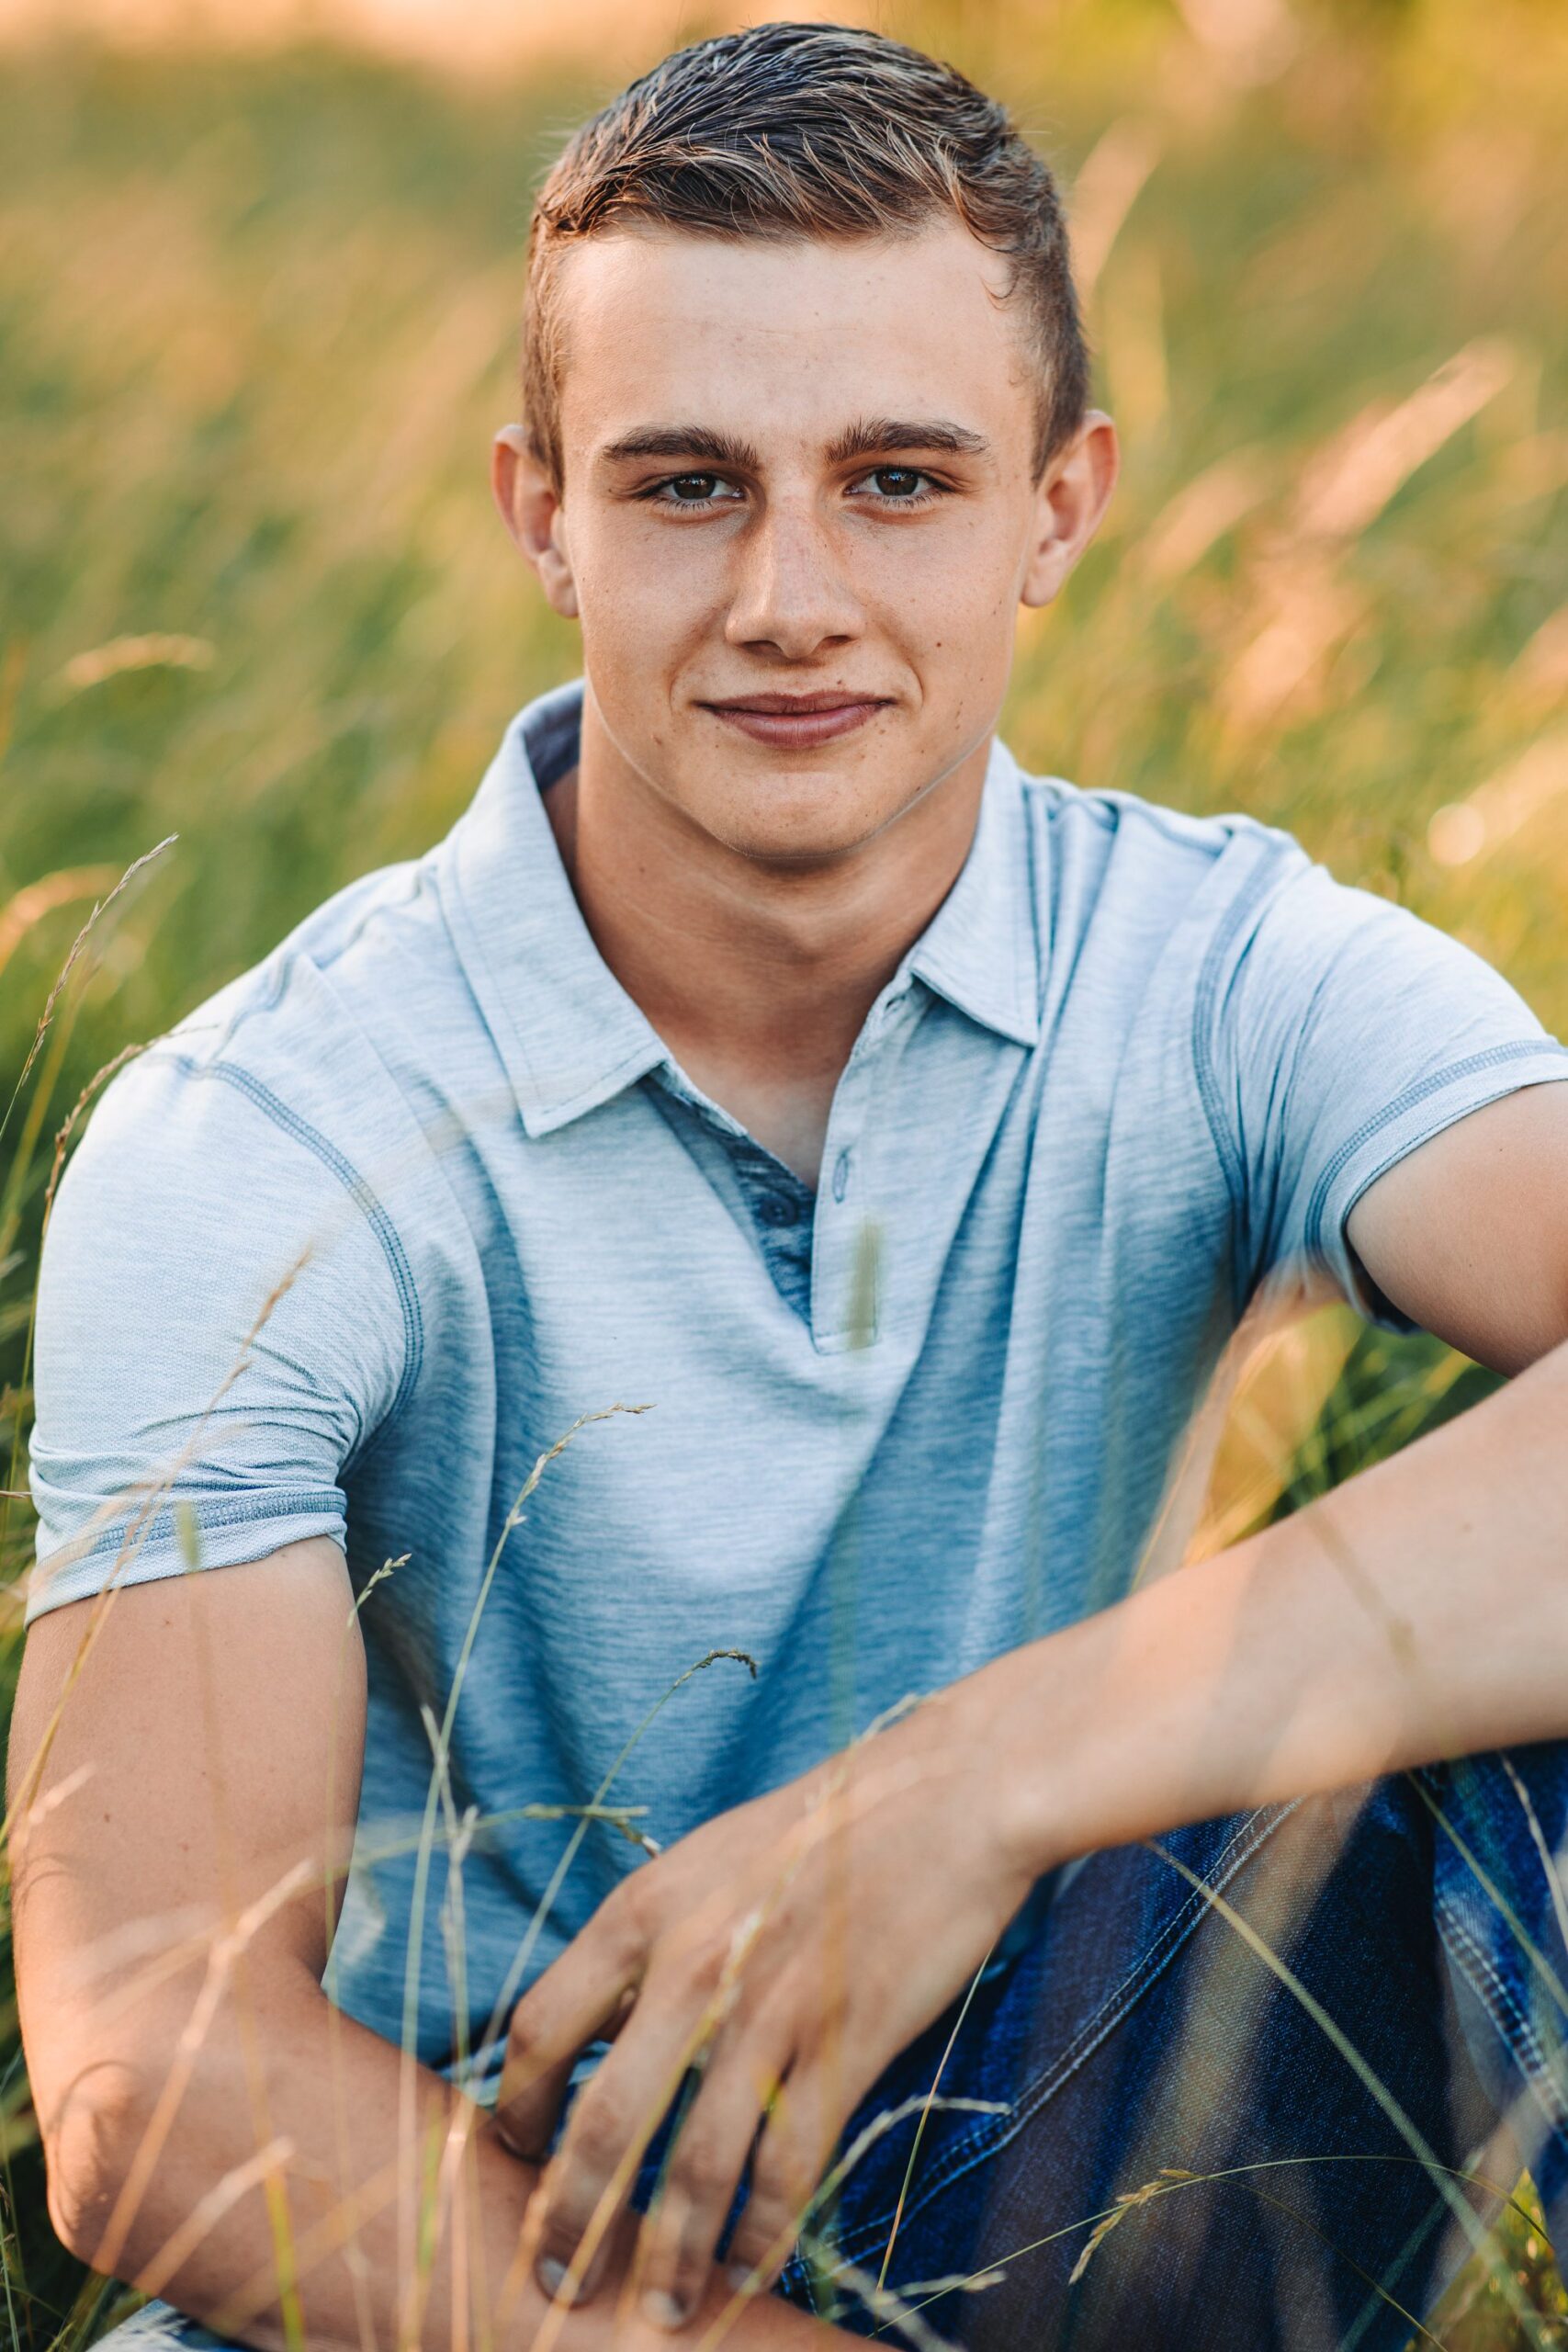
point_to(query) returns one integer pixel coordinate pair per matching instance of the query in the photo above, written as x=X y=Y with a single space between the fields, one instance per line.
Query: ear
x=532 y=511
x=1070 y=500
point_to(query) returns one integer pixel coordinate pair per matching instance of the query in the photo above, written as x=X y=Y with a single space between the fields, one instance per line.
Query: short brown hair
x=808 y=130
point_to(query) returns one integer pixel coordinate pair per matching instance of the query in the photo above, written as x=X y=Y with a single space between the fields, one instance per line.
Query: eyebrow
x=697 y=443
x=876 y=436
x=870 y=437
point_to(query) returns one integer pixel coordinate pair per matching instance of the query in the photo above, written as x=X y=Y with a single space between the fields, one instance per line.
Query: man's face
x=798 y=513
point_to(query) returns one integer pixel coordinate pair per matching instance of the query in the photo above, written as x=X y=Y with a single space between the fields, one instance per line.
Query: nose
x=792 y=597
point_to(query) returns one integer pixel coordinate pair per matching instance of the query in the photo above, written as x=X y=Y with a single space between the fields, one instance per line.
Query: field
x=257 y=322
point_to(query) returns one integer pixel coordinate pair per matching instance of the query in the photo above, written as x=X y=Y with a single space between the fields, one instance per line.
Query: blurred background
x=260 y=267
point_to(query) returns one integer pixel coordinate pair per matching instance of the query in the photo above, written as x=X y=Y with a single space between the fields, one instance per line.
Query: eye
x=696 y=490
x=898 y=485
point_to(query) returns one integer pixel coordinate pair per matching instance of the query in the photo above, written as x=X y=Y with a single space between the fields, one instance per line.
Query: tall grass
x=257 y=323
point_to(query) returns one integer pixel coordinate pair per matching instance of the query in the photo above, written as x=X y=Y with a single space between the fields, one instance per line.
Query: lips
x=797 y=722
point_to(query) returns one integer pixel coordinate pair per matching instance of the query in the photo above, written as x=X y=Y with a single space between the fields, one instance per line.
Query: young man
x=763 y=1048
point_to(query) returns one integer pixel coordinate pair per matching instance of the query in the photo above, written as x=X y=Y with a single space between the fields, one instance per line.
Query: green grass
x=257 y=322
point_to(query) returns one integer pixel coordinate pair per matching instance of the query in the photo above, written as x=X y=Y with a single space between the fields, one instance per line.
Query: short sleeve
x=1336 y=1032
x=221 y=1333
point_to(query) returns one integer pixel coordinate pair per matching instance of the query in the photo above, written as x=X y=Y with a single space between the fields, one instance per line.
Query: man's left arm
x=1468 y=1235
x=1419 y=1611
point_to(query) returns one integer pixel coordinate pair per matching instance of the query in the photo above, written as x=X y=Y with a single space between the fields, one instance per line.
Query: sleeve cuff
x=232 y=1531
x=1413 y=1118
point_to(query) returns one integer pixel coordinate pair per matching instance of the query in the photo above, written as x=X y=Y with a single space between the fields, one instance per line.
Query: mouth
x=797 y=722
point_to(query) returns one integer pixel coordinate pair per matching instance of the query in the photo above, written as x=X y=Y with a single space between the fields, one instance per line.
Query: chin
x=796 y=827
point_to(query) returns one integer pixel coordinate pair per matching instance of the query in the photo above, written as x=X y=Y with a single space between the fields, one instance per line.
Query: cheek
x=643 y=601
x=950 y=602
x=951 y=618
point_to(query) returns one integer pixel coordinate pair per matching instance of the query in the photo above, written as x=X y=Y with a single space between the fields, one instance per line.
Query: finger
x=797 y=2142
x=680 y=2236
x=536 y=2089
x=581 y=1997
x=590 y=2177
x=525 y=2318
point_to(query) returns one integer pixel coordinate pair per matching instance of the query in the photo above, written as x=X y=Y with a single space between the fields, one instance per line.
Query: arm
x=180 y=1761
x=1420 y=1612
x=1421 y=1609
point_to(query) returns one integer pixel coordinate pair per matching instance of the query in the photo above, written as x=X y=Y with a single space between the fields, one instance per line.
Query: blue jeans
x=1295 y=2031
x=1331 y=2004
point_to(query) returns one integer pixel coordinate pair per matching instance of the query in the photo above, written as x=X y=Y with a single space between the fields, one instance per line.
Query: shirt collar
x=570 y=1035
x=567 y=1030
x=982 y=949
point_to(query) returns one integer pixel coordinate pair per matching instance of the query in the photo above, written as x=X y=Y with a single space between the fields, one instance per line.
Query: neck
x=758 y=976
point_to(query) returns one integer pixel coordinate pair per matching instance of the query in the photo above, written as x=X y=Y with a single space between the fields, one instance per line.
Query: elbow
x=92 y=2137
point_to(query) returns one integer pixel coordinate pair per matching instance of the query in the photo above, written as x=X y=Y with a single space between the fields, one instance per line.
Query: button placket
x=838 y=1215
x=845 y=1198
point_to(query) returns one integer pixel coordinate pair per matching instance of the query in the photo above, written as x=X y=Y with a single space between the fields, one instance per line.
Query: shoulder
x=268 y=1127
x=1117 y=867
x=1258 y=918
x=1152 y=831
x=313 y=1043
x=1230 y=925
x=311 y=1022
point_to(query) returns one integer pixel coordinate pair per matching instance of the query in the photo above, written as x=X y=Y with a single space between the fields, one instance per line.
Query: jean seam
x=1507 y=2013
x=1513 y=2027
x=993 y=2133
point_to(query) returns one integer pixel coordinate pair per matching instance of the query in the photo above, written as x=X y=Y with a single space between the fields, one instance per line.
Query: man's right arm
x=186 y=1760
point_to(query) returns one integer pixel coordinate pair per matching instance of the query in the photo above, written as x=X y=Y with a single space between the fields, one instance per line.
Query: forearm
x=394 y=2215
x=1419 y=1611
x=301 y=2145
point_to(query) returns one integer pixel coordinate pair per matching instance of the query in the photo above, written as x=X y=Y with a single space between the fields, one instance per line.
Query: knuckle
x=566 y=2216
x=625 y=1941
x=630 y=1908
x=701 y=2170
x=780 y=2191
x=765 y=2213
x=700 y=1962
x=600 y=2136
x=522 y=2032
x=625 y=1959
x=763 y=2241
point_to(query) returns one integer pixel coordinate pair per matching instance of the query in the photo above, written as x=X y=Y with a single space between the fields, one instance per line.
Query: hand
x=788 y=1950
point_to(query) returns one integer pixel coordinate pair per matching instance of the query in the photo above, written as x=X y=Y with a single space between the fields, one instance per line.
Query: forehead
x=779 y=339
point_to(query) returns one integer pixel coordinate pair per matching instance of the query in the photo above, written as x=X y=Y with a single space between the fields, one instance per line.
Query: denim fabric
x=429 y=1176
x=1141 y=2035
x=1138 y=2035
x=1501 y=1838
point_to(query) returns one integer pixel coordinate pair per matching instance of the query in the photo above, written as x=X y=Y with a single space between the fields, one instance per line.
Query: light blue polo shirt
x=1137 y=1064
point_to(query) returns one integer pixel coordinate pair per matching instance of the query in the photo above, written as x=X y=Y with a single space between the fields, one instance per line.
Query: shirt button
x=841 y=1175
x=777 y=1208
